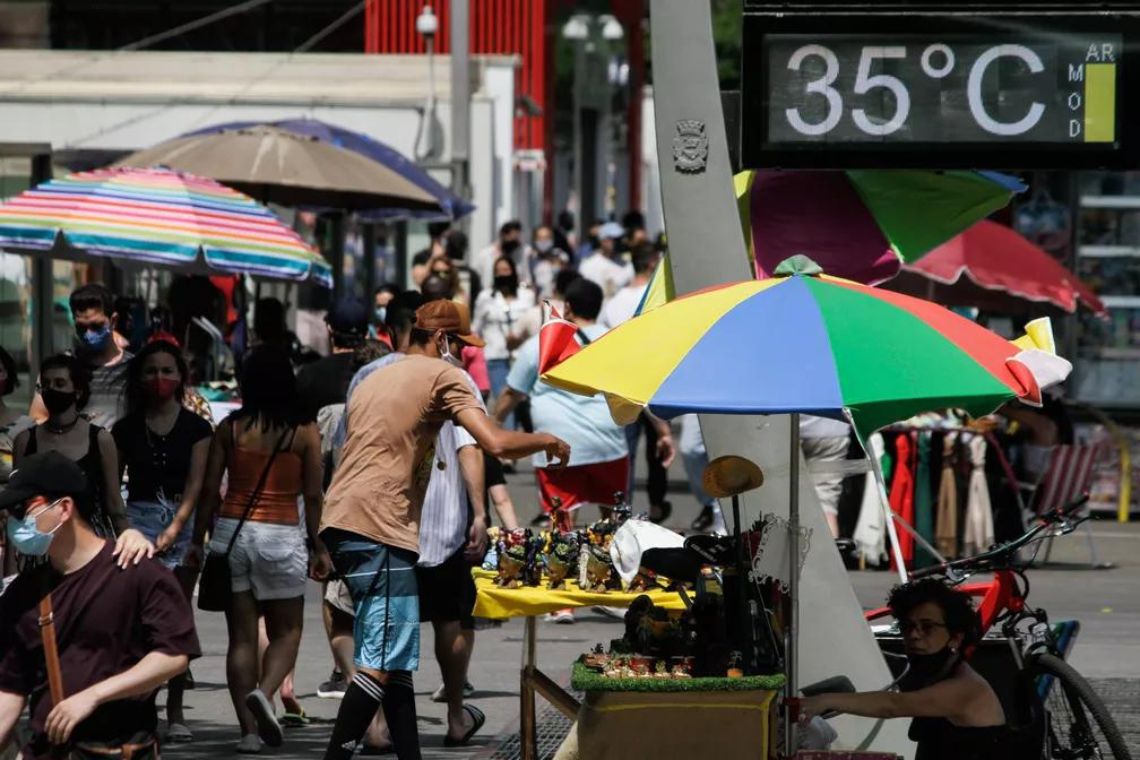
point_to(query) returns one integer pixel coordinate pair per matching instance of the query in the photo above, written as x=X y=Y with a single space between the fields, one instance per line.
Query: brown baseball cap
x=451 y=317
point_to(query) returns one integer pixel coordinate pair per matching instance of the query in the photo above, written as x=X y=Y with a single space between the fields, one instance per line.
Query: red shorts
x=582 y=484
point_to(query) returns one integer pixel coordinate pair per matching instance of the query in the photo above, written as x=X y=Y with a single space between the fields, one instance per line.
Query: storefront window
x=1108 y=360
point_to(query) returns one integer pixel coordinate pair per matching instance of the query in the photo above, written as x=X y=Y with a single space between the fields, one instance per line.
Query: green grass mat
x=584 y=679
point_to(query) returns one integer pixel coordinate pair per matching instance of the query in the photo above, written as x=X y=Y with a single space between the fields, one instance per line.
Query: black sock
x=400 y=712
x=362 y=699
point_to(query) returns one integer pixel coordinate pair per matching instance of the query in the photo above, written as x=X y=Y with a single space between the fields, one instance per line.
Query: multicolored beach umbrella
x=158 y=217
x=862 y=225
x=804 y=342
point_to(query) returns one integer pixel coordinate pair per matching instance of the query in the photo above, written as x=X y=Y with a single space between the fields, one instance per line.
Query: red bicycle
x=1078 y=726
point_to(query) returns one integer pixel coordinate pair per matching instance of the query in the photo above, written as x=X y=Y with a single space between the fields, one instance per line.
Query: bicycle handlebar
x=1006 y=550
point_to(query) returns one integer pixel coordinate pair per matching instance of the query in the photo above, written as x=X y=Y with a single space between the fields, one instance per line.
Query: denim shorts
x=268 y=559
x=382 y=582
x=151 y=518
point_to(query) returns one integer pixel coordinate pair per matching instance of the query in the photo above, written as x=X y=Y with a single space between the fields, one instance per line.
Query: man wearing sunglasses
x=120 y=633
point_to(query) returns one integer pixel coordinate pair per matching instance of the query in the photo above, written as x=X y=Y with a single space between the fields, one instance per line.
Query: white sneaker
x=250 y=744
x=561 y=617
x=617 y=613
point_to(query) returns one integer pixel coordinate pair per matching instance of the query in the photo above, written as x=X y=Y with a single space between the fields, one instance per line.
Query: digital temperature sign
x=1010 y=94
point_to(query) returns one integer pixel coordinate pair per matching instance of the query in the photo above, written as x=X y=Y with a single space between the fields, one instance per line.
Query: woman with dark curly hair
x=956 y=712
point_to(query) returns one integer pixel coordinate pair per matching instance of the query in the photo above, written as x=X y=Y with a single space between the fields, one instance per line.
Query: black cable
x=344 y=18
x=190 y=26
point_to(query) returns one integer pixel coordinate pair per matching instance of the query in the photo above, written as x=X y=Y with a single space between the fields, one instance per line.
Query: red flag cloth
x=557 y=340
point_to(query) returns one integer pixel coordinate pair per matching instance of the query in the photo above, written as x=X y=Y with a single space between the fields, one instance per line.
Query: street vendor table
x=494 y=602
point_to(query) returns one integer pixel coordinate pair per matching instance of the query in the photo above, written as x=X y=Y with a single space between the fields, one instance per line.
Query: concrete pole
x=706 y=247
x=460 y=95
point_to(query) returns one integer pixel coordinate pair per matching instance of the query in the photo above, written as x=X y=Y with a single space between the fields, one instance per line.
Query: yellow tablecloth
x=494 y=602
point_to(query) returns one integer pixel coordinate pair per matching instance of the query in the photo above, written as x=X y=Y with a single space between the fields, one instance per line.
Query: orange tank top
x=277 y=502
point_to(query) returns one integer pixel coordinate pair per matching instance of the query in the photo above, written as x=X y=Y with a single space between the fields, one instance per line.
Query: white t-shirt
x=496 y=318
x=822 y=427
x=611 y=275
x=621 y=307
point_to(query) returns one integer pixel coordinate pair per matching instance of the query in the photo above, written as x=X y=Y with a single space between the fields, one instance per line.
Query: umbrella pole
x=888 y=516
x=791 y=649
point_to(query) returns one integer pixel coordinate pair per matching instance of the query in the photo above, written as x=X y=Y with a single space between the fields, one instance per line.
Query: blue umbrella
x=453 y=207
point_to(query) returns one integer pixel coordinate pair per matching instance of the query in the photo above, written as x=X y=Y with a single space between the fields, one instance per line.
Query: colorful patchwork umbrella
x=158 y=217
x=804 y=342
x=862 y=225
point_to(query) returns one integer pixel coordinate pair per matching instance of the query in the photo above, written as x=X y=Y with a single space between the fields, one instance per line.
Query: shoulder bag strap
x=51 y=650
x=260 y=483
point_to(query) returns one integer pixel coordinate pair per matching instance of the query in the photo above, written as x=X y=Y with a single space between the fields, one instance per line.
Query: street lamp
x=582 y=29
x=577 y=28
x=611 y=28
x=427 y=24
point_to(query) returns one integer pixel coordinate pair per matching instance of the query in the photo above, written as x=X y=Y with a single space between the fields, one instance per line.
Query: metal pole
x=888 y=516
x=43 y=281
x=460 y=25
x=791 y=653
x=579 y=174
x=528 y=739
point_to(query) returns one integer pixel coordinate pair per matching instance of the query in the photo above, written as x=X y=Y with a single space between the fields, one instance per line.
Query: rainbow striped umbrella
x=804 y=342
x=158 y=217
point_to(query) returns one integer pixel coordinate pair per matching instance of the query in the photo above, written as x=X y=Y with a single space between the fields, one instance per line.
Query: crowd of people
x=374 y=471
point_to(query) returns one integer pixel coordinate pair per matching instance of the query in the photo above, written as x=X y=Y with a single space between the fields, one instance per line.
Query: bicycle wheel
x=1078 y=724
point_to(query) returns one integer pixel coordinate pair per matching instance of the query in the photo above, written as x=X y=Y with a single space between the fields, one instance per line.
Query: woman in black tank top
x=64 y=387
x=956 y=712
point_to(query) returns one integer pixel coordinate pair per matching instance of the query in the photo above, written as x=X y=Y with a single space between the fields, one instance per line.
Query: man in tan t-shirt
x=370 y=521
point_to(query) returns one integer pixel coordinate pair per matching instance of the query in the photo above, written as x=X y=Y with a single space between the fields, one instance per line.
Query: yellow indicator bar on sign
x=1100 y=102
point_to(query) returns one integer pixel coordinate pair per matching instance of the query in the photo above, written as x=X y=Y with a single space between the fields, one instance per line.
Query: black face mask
x=927 y=669
x=57 y=402
x=507 y=283
x=508 y=246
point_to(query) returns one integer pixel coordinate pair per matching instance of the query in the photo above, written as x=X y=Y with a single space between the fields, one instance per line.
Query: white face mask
x=542 y=246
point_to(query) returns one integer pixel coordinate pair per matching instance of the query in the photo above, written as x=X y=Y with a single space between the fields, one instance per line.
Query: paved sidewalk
x=1105 y=601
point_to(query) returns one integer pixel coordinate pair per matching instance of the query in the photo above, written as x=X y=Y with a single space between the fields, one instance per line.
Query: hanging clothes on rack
x=902 y=495
x=870 y=534
x=946 y=521
x=978 y=532
x=924 y=500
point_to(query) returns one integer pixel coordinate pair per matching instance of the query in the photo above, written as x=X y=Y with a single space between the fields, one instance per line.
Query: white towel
x=871 y=530
x=979 y=531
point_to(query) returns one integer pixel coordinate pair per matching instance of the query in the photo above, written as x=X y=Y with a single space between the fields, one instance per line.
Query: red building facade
x=498 y=27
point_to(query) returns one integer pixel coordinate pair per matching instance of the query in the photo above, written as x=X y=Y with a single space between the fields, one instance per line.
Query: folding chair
x=1067 y=477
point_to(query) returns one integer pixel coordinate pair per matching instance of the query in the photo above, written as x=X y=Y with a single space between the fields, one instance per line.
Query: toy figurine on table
x=518 y=559
x=560 y=558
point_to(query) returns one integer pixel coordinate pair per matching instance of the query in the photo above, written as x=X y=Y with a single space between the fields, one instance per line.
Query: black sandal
x=479 y=719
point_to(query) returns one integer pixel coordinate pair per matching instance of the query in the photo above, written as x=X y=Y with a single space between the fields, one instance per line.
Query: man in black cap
x=120 y=633
x=325 y=382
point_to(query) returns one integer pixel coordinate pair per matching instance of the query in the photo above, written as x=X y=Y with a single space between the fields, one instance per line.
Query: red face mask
x=162 y=388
